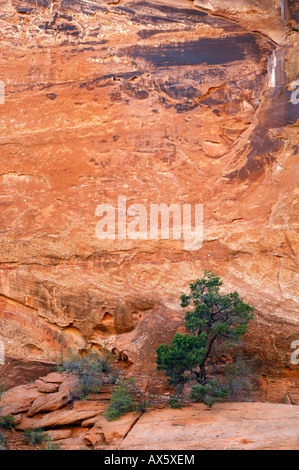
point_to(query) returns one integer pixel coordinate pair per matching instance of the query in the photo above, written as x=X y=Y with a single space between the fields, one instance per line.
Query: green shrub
x=209 y=393
x=142 y=405
x=34 y=436
x=50 y=445
x=175 y=403
x=7 y=422
x=90 y=369
x=122 y=400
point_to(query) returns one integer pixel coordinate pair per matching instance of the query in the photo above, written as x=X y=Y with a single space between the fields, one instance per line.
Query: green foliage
x=175 y=403
x=209 y=393
x=2 y=441
x=34 y=436
x=214 y=319
x=50 y=445
x=142 y=405
x=90 y=369
x=233 y=447
x=184 y=354
x=219 y=315
x=122 y=400
x=7 y=422
x=239 y=379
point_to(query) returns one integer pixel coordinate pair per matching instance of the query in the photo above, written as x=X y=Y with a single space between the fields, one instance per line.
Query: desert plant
x=209 y=393
x=122 y=400
x=50 y=444
x=7 y=422
x=175 y=403
x=215 y=319
x=34 y=436
x=143 y=404
x=90 y=369
x=232 y=447
x=240 y=377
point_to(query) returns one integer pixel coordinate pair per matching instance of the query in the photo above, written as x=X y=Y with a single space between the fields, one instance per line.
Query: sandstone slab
x=113 y=431
x=27 y=422
x=55 y=378
x=65 y=417
x=45 y=387
x=19 y=399
x=57 y=400
x=72 y=443
x=58 y=434
x=50 y=402
x=242 y=426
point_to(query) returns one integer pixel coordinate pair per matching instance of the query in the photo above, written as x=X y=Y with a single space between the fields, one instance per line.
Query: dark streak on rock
x=210 y=51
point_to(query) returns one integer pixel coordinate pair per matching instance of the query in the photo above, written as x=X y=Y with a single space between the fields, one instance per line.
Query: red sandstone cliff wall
x=158 y=101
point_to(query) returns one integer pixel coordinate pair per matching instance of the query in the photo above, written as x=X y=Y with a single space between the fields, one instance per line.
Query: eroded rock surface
x=160 y=102
x=83 y=425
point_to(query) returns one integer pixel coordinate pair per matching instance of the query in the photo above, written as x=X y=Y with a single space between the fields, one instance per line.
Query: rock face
x=82 y=424
x=67 y=421
x=240 y=426
x=159 y=102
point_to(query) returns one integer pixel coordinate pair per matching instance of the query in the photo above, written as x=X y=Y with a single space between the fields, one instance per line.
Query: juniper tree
x=213 y=318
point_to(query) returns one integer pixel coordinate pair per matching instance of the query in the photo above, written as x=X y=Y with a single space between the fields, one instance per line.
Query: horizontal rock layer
x=83 y=425
x=230 y=426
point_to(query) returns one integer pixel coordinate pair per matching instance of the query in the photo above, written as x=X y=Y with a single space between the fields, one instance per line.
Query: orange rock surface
x=160 y=102
x=83 y=425
x=230 y=426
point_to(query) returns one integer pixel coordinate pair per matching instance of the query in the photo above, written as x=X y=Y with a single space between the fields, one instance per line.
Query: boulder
x=46 y=387
x=54 y=401
x=55 y=378
x=113 y=431
x=19 y=399
x=27 y=422
x=49 y=402
x=65 y=417
x=58 y=434
x=90 y=405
